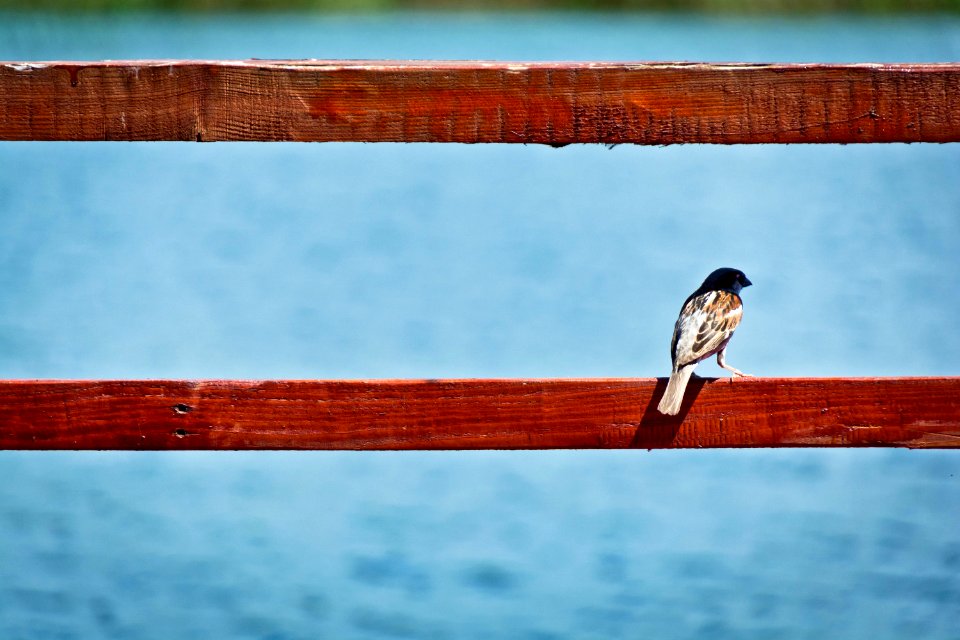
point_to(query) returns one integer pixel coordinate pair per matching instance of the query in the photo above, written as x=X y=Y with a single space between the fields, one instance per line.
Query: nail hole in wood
x=182 y=408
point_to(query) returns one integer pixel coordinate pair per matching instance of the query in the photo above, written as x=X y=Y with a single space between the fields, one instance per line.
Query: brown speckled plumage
x=720 y=313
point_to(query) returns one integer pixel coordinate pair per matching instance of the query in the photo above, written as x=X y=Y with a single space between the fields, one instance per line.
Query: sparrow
x=707 y=321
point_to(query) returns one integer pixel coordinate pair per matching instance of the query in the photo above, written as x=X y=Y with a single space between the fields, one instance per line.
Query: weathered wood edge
x=554 y=103
x=477 y=414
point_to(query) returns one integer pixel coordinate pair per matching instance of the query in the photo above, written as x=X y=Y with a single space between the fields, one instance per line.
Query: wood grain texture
x=549 y=103
x=478 y=414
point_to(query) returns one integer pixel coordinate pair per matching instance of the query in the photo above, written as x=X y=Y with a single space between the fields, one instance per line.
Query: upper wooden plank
x=478 y=414
x=549 y=103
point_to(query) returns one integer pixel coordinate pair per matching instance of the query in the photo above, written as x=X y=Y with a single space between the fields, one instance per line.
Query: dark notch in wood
x=548 y=103
x=478 y=414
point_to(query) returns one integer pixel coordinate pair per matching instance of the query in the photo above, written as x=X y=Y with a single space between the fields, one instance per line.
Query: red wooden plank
x=550 y=103
x=478 y=414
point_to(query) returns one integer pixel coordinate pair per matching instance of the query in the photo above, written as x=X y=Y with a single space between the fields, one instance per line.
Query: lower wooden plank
x=555 y=103
x=478 y=414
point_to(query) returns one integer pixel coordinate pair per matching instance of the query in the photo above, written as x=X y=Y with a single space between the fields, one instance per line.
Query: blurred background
x=714 y=6
x=128 y=260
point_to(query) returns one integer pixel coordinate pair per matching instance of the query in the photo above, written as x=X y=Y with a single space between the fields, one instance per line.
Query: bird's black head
x=725 y=279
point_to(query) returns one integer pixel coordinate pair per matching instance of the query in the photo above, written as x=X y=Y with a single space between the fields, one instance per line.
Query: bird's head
x=726 y=279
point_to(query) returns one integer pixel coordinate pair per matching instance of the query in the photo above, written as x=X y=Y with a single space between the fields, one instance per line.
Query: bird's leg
x=723 y=364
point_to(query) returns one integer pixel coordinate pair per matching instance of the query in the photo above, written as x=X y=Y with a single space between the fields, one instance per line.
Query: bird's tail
x=673 y=396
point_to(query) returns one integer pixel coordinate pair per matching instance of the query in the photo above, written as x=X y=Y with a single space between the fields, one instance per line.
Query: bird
x=707 y=321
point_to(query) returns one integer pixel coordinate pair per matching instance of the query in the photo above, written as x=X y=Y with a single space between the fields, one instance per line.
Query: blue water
x=331 y=261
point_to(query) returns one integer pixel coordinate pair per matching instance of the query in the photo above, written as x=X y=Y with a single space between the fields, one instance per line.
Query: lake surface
x=122 y=260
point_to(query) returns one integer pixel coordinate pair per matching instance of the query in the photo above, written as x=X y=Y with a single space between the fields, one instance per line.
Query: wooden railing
x=547 y=103
x=478 y=414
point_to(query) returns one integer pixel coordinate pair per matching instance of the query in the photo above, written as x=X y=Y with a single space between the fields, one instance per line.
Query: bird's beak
x=746 y=281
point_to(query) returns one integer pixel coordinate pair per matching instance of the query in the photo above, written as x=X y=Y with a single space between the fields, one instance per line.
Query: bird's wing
x=706 y=322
